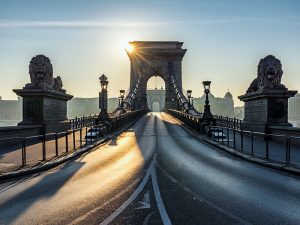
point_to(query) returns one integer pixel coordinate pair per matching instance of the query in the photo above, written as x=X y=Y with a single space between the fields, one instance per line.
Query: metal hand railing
x=275 y=147
x=39 y=148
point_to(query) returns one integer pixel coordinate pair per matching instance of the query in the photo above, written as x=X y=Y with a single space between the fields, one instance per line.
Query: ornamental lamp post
x=103 y=116
x=207 y=114
x=122 y=94
x=189 y=95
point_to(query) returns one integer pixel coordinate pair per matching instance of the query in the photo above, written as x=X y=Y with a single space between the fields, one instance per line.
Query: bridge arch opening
x=156 y=58
x=156 y=107
x=155 y=93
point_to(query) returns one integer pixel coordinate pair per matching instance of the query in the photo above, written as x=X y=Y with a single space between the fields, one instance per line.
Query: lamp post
x=103 y=116
x=207 y=114
x=122 y=94
x=189 y=95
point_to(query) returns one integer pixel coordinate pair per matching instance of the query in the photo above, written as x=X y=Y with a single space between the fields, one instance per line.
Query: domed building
x=294 y=108
x=218 y=106
x=228 y=95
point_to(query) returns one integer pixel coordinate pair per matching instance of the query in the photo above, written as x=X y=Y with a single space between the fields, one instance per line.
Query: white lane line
x=161 y=207
x=131 y=198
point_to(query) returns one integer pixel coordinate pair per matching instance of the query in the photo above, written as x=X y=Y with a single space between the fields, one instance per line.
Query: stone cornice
x=42 y=92
x=267 y=93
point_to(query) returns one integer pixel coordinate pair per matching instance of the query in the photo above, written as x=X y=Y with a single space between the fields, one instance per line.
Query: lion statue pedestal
x=266 y=100
x=44 y=100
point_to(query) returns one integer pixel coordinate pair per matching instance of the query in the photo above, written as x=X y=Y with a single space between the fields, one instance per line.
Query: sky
x=83 y=39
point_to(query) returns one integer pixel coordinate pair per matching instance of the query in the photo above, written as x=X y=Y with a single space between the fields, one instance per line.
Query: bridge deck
x=197 y=183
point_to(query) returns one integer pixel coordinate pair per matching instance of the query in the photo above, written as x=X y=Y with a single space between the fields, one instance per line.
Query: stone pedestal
x=265 y=108
x=45 y=107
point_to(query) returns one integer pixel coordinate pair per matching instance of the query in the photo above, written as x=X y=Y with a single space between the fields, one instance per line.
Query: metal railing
x=275 y=147
x=193 y=121
x=47 y=146
x=79 y=122
x=228 y=121
x=35 y=149
x=279 y=148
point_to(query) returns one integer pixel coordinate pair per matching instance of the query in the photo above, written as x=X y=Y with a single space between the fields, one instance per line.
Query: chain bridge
x=157 y=58
x=132 y=166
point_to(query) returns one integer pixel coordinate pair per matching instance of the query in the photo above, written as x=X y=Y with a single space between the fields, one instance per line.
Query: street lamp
x=103 y=116
x=207 y=114
x=189 y=95
x=103 y=82
x=122 y=94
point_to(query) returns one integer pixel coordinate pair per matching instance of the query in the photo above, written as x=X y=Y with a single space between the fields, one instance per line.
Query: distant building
x=219 y=106
x=294 y=108
x=156 y=99
x=10 y=112
x=78 y=107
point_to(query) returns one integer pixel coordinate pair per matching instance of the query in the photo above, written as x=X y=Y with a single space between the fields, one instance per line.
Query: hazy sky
x=83 y=39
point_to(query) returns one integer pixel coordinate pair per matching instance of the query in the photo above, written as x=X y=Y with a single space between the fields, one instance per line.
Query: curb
x=51 y=164
x=249 y=158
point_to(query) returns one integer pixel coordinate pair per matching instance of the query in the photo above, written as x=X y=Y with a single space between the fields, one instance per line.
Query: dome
x=228 y=95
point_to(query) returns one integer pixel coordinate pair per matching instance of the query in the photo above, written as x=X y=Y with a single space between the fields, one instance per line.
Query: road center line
x=131 y=198
x=161 y=207
x=150 y=171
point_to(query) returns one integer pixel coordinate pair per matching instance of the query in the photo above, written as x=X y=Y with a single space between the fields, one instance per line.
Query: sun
x=129 y=48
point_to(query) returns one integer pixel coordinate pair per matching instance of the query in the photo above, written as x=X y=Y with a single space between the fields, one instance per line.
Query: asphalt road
x=154 y=173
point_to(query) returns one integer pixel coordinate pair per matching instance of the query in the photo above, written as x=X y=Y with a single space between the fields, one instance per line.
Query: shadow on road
x=43 y=189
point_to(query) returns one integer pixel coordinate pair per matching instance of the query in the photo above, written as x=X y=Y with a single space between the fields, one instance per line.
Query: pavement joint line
x=200 y=198
x=253 y=159
x=64 y=158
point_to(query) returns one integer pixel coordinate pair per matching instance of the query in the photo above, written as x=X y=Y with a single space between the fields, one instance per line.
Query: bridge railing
x=228 y=121
x=19 y=152
x=192 y=120
x=278 y=148
x=122 y=119
x=79 y=122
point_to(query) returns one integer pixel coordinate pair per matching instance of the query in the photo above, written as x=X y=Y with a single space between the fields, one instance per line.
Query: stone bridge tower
x=155 y=58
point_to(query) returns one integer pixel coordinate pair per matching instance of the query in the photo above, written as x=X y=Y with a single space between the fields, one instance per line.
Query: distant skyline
x=83 y=39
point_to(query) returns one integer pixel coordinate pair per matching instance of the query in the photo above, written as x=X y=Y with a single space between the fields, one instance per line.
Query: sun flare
x=129 y=48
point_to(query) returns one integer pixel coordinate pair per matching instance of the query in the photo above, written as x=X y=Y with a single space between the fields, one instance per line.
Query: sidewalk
x=11 y=155
x=10 y=161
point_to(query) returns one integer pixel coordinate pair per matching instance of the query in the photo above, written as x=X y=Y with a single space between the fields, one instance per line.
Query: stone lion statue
x=269 y=73
x=41 y=74
x=58 y=84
